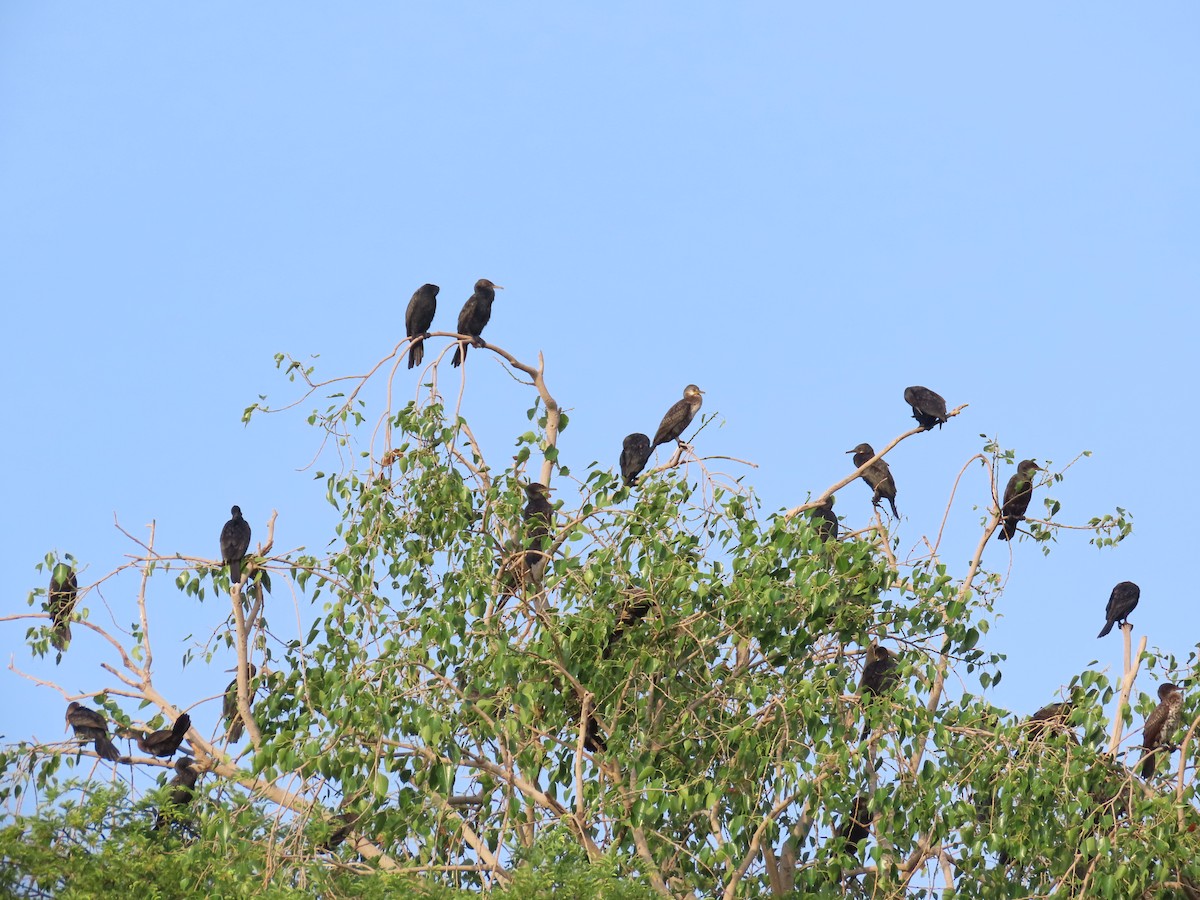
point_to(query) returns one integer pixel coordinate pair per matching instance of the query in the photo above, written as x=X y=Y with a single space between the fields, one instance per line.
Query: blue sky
x=800 y=209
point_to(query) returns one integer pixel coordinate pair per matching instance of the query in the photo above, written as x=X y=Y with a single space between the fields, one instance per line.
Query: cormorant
x=475 y=314
x=633 y=609
x=1160 y=725
x=89 y=725
x=347 y=821
x=417 y=319
x=235 y=541
x=1016 y=498
x=878 y=476
x=635 y=451
x=229 y=708
x=1053 y=716
x=678 y=417
x=825 y=520
x=183 y=787
x=63 y=593
x=166 y=741
x=856 y=826
x=879 y=675
x=1121 y=602
x=538 y=517
x=929 y=408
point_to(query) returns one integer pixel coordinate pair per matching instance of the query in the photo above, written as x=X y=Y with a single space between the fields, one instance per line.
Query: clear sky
x=801 y=208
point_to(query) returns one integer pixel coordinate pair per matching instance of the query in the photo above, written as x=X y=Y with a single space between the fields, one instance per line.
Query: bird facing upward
x=1161 y=725
x=878 y=475
x=475 y=314
x=1121 y=602
x=235 y=541
x=166 y=741
x=635 y=451
x=417 y=319
x=1017 y=495
x=679 y=416
x=929 y=407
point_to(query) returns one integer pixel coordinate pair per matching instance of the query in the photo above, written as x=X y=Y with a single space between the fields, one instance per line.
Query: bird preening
x=878 y=475
x=235 y=541
x=635 y=453
x=164 y=742
x=475 y=314
x=417 y=319
x=928 y=407
x=1121 y=602
x=1017 y=495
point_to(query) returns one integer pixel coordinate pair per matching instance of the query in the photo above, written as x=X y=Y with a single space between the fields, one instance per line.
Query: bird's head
x=863 y=448
x=484 y=285
x=691 y=392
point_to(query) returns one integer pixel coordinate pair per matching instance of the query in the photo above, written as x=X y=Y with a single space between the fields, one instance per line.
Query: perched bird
x=474 y=316
x=878 y=476
x=634 y=607
x=166 y=741
x=417 y=319
x=1161 y=725
x=879 y=676
x=235 y=541
x=1017 y=495
x=929 y=408
x=635 y=451
x=1053 y=716
x=229 y=708
x=345 y=823
x=538 y=517
x=64 y=590
x=89 y=725
x=856 y=826
x=679 y=416
x=1121 y=602
x=183 y=787
x=825 y=520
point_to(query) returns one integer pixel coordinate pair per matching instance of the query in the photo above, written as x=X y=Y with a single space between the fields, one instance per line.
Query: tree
x=659 y=697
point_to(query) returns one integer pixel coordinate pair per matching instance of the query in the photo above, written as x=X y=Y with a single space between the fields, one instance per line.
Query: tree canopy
x=653 y=690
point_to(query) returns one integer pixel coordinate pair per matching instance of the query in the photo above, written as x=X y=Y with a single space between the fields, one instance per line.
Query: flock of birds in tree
x=880 y=673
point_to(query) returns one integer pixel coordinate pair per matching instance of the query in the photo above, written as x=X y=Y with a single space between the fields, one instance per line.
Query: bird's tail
x=106 y=749
x=182 y=724
x=895 y=512
x=460 y=353
x=60 y=636
x=1007 y=530
x=235 y=571
x=235 y=731
x=416 y=353
x=1148 y=765
x=1106 y=629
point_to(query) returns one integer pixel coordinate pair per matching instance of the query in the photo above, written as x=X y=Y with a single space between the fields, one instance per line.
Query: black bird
x=929 y=408
x=1160 y=725
x=679 y=416
x=1121 y=602
x=538 y=517
x=825 y=521
x=879 y=676
x=635 y=451
x=183 y=787
x=345 y=824
x=856 y=826
x=1053 y=716
x=235 y=541
x=878 y=476
x=64 y=590
x=417 y=319
x=634 y=607
x=89 y=725
x=474 y=316
x=229 y=708
x=1017 y=495
x=166 y=741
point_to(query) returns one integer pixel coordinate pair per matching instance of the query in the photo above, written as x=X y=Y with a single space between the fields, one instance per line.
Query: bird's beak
x=498 y=287
x=849 y=451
